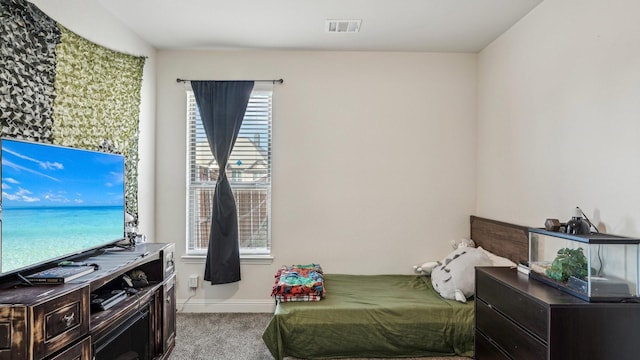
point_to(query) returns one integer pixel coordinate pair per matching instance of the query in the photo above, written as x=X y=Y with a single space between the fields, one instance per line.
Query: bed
x=387 y=315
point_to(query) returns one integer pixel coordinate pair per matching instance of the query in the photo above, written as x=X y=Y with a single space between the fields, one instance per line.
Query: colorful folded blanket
x=299 y=283
x=288 y=298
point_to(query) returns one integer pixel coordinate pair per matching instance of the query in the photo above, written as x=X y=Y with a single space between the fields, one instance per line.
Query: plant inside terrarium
x=568 y=262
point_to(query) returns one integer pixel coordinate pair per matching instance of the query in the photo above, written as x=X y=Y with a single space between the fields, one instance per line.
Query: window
x=248 y=171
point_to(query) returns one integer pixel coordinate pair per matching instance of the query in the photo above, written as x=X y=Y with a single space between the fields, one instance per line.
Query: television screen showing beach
x=58 y=201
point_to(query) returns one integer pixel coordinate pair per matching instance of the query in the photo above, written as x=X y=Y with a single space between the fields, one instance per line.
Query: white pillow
x=498 y=260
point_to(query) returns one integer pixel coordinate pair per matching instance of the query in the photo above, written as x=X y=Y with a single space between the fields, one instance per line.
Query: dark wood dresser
x=57 y=322
x=519 y=318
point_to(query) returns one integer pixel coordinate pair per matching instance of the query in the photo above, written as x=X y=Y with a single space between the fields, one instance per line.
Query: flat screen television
x=56 y=202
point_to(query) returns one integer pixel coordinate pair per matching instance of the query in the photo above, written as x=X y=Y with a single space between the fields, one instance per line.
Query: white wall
x=557 y=126
x=373 y=166
x=559 y=116
x=90 y=20
x=335 y=199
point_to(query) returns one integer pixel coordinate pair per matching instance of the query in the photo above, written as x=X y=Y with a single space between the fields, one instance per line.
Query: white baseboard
x=222 y=305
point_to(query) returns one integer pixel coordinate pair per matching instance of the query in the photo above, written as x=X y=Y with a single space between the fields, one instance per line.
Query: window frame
x=261 y=93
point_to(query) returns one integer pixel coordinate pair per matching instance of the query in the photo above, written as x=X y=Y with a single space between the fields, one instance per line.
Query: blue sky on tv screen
x=40 y=175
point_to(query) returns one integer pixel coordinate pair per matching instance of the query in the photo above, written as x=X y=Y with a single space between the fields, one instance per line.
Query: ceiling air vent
x=343 y=26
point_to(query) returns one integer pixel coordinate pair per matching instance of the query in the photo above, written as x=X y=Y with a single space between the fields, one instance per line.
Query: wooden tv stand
x=57 y=322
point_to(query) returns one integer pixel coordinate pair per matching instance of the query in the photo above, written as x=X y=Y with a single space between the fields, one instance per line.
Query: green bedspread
x=372 y=316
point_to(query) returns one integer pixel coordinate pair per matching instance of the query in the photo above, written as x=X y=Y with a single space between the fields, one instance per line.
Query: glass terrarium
x=594 y=267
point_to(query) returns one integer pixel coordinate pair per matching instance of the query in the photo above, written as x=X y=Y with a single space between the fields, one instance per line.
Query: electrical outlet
x=193 y=282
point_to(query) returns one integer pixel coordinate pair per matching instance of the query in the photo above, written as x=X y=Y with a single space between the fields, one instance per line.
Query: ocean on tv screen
x=36 y=235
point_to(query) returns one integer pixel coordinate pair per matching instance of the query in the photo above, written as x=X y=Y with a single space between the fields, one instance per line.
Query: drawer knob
x=68 y=319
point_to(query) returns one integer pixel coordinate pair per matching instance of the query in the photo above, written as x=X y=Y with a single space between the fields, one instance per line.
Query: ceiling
x=387 y=25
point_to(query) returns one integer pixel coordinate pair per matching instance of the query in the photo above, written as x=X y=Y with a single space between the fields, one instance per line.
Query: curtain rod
x=279 y=81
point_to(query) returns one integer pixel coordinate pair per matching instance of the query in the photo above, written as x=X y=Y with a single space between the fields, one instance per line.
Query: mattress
x=372 y=316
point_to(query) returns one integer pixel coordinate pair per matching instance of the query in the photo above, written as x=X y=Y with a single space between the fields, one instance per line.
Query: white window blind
x=248 y=171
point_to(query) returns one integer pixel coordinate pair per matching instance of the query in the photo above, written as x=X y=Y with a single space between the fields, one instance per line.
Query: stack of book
x=59 y=274
x=106 y=299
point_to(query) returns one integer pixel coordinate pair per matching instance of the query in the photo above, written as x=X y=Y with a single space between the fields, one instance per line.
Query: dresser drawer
x=168 y=265
x=14 y=336
x=513 y=340
x=486 y=350
x=79 y=351
x=60 y=321
x=512 y=303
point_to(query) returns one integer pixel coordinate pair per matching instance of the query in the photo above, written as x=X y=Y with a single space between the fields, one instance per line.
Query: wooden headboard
x=503 y=239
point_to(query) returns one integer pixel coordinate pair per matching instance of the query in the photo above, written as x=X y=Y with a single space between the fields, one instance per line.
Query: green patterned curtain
x=57 y=87
x=97 y=104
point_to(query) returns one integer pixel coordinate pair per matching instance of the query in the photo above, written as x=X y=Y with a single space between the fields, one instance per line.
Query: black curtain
x=222 y=105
